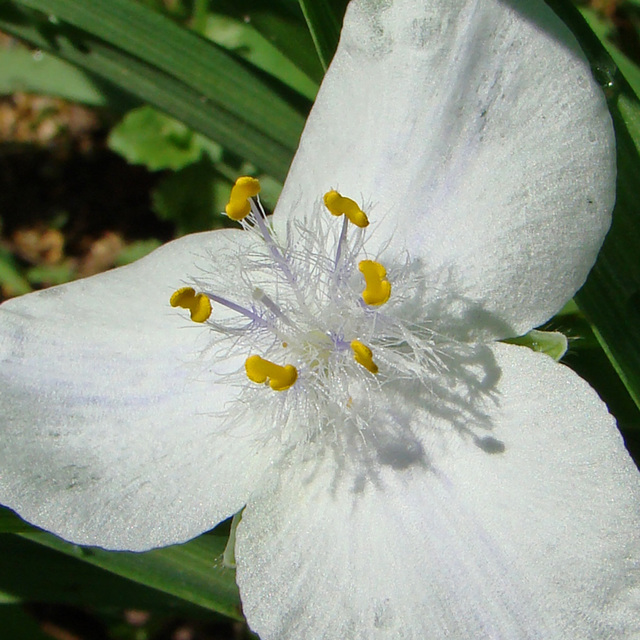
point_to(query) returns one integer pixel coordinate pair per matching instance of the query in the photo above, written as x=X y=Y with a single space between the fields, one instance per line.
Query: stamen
x=260 y=296
x=239 y=205
x=280 y=378
x=198 y=304
x=378 y=289
x=260 y=218
x=247 y=313
x=339 y=205
x=363 y=356
x=341 y=241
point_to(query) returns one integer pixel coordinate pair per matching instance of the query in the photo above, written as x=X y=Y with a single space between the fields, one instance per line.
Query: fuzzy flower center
x=322 y=315
x=326 y=331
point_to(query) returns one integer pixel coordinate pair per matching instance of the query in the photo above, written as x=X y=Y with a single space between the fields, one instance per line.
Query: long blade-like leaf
x=324 y=19
x=11 y=523
x=170 y=67
x=23 y=70
x=611 y=297
x=31 y=572
x=191 y=571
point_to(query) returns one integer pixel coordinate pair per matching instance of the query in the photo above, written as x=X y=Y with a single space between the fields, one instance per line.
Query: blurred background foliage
x=123 y=124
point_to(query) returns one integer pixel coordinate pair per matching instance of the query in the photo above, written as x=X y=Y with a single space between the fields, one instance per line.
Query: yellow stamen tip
x=339 y=205
x=363 y=356
x=378 y=288
x=260 y=370
x=239 y=205
x=198 y=304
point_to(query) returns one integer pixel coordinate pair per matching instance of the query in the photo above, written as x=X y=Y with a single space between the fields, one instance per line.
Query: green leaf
x=242 y=38
x=553 y=343
x=324 y=19
x=602 y=29
x=146 y=136
x=161 y=63
x=38 y=72
x=282 y=23
x=292 y=39
x=31 y=572
x=610 y=298
x=193 y=571
x=11 y=523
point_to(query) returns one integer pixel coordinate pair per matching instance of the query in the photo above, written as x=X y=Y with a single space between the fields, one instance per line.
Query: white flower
x=403 y=475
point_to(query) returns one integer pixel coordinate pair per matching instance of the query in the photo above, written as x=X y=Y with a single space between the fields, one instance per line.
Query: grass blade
x=168 y=66
x=324 y=19
x=610 y=299
x=191 y=571
x=30 y=572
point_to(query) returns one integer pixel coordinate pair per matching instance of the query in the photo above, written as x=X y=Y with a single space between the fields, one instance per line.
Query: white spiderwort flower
x=402 y=474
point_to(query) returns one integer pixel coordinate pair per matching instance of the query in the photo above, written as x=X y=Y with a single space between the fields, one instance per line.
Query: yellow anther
x=362 y=355
x=198 y=304
x=339 y=205
x=280 y=378
x=378 y=288
x=239 y=206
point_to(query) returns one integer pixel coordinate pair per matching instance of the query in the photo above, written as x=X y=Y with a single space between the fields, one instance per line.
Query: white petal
x=476 y=138
x=531 y=532
x=114 y=416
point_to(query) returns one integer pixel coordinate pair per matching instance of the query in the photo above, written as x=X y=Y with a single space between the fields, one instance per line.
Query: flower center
x=316 y=320
x=348 y=345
